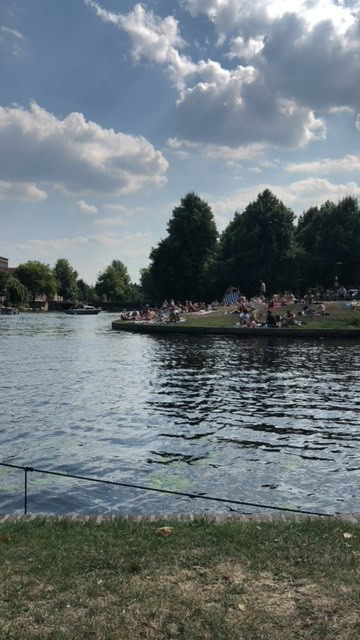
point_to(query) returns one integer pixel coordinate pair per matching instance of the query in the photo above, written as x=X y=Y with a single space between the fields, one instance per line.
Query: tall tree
x=66 y=278
x=260 y=244
x=114 y=283
x=16 y=292
x=329 y=237
x=37 y=277
x=181 y=262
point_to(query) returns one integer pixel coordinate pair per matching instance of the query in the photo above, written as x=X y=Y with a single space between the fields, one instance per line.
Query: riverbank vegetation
x=319 y=250
x=63 y=580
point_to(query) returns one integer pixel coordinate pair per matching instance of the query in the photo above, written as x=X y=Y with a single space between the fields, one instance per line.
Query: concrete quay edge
x=167 y=329
x=353 y=518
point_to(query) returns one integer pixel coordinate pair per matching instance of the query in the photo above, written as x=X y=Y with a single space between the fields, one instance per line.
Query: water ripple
x=274 y=421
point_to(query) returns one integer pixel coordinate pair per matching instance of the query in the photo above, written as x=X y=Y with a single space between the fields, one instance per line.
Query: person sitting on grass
x=289 y=319
x=270 y=319
x=173 y=314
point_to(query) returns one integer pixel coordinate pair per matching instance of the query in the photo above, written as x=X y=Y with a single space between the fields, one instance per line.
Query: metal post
x=25 y=495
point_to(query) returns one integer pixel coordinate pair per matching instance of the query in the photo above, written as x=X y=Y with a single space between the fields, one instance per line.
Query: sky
x=111 y=111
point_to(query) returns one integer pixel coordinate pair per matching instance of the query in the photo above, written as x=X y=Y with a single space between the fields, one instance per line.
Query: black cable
x=168 y=491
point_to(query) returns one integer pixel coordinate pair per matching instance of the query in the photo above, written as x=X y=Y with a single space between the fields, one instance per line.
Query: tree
x=329 y=235
x=260 y=244
x=114 y=283
x=37 y=277
x=16 y=292
x=66 y=278
x=180 y=264
x=86 y=293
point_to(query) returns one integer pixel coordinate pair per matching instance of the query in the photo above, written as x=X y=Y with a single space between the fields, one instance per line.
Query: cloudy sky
x=111 y=111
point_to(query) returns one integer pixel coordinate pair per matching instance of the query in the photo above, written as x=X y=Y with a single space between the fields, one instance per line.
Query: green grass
x=339 y=318
x=122 y=580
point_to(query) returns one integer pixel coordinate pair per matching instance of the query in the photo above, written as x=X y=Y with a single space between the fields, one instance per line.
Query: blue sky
x=111 y=111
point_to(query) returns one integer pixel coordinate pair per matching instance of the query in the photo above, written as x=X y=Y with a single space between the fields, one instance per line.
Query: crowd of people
x=258 y=311
x=169 y=311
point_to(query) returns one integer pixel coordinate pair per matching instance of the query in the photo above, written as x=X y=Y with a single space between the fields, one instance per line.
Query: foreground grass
x=120 y=579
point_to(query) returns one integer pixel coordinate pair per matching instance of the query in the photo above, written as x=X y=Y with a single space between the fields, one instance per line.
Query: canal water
x=274 y=421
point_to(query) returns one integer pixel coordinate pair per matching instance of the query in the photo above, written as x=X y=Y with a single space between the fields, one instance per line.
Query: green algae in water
x=12 y=488
x=172 y=482
x=293 y=463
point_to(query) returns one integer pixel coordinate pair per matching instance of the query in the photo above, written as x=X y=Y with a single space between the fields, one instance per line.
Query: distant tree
x=180 y=264
x=329 y=235
x=148 y=288
x=16 y=292
x=86 y=293
x=114 y=283
x=260 y=244
x=66 y=278
x=37 y=277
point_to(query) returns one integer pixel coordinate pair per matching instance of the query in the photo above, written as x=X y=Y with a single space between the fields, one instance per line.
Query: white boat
x=83 y=310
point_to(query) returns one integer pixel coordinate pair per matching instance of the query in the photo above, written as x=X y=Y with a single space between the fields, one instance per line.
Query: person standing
x=262 y=289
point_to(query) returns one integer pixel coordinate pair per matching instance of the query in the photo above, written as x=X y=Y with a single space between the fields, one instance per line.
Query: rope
x=27 y=470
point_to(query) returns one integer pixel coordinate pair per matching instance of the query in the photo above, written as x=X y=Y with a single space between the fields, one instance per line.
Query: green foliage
x=114 y=284
x=259 y=244
x=329 y=235
x=38 y=278
x=181 y=263
x=66 y=278
x=86 y=293
x=16 y=292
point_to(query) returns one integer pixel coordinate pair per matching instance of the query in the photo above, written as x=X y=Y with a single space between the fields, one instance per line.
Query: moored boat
x=83 y=310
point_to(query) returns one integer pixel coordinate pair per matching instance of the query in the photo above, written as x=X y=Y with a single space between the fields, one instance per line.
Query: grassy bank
x=339 y=318
x=120 y=579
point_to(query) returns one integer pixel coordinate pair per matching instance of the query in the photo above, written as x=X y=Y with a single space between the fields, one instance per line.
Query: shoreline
x=279 y=332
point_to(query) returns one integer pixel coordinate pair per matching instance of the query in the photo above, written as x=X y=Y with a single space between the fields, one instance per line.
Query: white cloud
x=304 y=59
x=12 y=32
x=73 y=155
x=357 y=123
x=86 y=208
x=129 y=245
x=298 y=195
x=154 y=38
x=26 y=192
x=219 y=152
x=119 y=208
x=347 y=163
x=116 y=221
x=12 y=40
x=230 y=15
x=247 y=49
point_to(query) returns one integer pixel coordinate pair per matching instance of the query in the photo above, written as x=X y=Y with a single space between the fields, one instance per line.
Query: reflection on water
x=272 y=421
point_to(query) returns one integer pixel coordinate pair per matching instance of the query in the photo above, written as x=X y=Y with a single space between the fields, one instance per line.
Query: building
x=4 y=264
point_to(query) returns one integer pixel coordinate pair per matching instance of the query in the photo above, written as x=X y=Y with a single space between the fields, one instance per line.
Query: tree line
x=263 y=242
x=33 y=278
